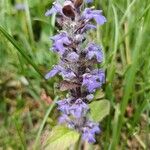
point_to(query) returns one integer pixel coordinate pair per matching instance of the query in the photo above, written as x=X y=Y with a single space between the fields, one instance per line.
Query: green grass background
x=25 y=58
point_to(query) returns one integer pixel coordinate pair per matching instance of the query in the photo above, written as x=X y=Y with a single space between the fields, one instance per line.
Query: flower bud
x=68 y=9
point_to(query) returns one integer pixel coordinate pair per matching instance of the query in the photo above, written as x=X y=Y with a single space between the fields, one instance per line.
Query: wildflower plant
x=77 y=65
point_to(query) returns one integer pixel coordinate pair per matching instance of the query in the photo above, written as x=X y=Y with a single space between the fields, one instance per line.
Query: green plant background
x=25 y=58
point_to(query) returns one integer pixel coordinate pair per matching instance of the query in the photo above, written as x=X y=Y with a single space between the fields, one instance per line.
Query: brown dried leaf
x=66 y=85
x=78 y=3
x=45 y=97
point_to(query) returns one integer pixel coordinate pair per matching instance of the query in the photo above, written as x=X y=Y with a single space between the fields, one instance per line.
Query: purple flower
x=90 y=82
x=56 y=8
x=89 y=131
x=94 y=50
x=63 y=119
x=76 y=109
x=87 y=136
x=59 y=41
x=100 y=75
x=20 y=6
x=73 y=57
x=94 y=80
x=89 y=14
x=88 y=1
x=64 y=105
x=54 y=71
x=79 y=108
x=67 y=74
x=77 y=64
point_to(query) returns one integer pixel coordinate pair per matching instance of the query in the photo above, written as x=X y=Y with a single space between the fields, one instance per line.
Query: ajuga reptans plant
x=78 y=58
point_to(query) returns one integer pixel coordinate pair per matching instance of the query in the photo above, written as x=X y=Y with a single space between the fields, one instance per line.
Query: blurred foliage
x=125 y=40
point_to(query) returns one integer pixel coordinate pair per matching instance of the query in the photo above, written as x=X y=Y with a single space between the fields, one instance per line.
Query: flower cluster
x=20 y=6
x=78 y=57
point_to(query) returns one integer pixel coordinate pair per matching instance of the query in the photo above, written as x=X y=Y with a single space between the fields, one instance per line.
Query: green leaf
x=99 y=109
x=61 y=138
x=99 y=95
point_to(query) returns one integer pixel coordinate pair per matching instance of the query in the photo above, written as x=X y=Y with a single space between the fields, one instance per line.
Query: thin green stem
x=43 y=123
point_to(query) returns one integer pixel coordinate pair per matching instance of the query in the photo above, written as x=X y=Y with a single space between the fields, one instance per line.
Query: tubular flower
x=57 y=8
x=77 y=64
x=94 y=50
x=90 y=14
x=59 y=42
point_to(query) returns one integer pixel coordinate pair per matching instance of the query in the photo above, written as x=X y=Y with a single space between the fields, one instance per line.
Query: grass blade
x=112 y=67
x=126 y=12
x=20 y=50
x=43 y=123
x=29 y=24
x=130 y=76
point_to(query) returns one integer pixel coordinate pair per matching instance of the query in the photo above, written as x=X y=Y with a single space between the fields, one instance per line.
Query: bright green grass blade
x=130 y=77
x=112 y=67
x=19 y=132
x=29 y=23
x=43 y=123
x=126 y=12
x=20 y=50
